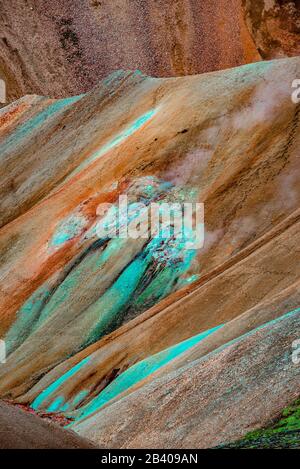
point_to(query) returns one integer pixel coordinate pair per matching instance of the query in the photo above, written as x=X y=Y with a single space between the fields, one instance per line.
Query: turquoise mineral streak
x=68 y=229
x=27 y=318
x=253 y=331
x=116 y=298
x=280 y=318
x=91 y=265
x=116 y=75
x=170 y=258
x=79 y=398
x=29 y=126
x=140 y=371
x=160 y=287
x=188 y=281
x=136 y=125
x=54 y=386
x=165 y=281
x=58 y=405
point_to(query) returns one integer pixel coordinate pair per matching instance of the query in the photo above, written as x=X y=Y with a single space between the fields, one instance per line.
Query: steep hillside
x=89 y=319
x=219 y=395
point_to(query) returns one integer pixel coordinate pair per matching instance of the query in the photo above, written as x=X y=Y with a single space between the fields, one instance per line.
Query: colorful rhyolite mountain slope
x=209 y=401
x=89 y=320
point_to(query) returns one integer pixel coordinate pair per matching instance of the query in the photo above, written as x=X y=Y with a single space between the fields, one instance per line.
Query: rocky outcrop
x=274 y=26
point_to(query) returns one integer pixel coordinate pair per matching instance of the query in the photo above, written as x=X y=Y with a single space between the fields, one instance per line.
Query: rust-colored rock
x=61 y=48
x=274 y=26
